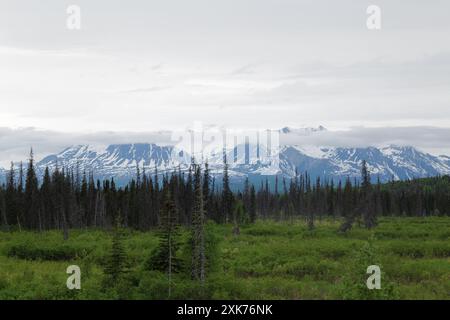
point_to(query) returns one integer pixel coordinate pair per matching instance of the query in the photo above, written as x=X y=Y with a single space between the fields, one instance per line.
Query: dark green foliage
x=116 y=264
x=355 y=286
x=211 y=236
x=269 y=260
x=207 y=201
x=252 y=207
x=198 y=258
x=240 y=215
x=363 y=203
x=368 y=201
x=164 y=256
x=227 y=195
x=33 y=219
x=31 y=251
x=65 y=199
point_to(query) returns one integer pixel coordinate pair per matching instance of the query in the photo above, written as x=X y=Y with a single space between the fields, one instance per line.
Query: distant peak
x=399 y=147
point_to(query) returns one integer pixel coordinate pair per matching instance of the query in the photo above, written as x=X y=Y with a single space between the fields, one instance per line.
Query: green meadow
x=267 y=260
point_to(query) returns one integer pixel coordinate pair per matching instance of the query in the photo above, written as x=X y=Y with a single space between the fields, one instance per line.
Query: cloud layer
x=15 y=144
x=161 y=65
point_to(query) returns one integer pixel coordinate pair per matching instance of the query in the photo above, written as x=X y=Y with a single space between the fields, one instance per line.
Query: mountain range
x=120 y=161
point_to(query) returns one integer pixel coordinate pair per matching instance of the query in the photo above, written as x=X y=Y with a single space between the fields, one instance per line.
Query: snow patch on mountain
x=122 y=160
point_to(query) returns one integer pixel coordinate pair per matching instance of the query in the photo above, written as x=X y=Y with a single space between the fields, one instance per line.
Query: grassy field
x=268 y=260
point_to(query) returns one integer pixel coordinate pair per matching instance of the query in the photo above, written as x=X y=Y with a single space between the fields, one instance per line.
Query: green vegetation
x=266 y=260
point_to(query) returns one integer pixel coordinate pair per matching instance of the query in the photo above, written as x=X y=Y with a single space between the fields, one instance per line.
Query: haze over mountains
x=120 y=160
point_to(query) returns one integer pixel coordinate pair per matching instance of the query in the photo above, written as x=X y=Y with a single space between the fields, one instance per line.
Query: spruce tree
x=206 y=191
x=252 y=207
x=246 y=194
x=10 y=210
x=164 y=257
x=46 y=197
x=198 y=264
x=347 y=207
x=367 y=205
x=116 y=265
x=4 y=220
x=32 y=219
x=227 y=195
x=240 y=217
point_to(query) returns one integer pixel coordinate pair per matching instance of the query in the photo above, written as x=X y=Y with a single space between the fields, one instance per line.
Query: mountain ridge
x=120 y=161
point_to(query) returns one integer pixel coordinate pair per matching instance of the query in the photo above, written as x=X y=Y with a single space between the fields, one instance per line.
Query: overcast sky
x=141 y=66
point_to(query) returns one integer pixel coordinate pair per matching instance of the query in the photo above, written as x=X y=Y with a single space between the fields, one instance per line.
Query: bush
x=30 y=251
x=268 y=260
x=211 y=250
x=421 y=250
x=406 y=250
x=308 y=267
x=354 y=284
x=441 y=250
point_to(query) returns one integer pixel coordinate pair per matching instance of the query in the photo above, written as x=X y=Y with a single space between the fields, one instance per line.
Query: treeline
x=66 y=199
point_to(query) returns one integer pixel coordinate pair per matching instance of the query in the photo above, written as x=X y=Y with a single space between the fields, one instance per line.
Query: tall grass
x=268 y=260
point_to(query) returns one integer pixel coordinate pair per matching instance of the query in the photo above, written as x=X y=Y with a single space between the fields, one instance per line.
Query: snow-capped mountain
x=251 y=159
x=398 y=162
x=120 y=161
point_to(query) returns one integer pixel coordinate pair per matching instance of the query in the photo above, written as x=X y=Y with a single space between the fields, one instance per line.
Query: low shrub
x=307 y=267
x=30 y=251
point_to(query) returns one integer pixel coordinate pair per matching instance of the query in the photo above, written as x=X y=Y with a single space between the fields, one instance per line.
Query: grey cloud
x=431 y=139
x=321 y=64
x=15 y=144
x=245 y=70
